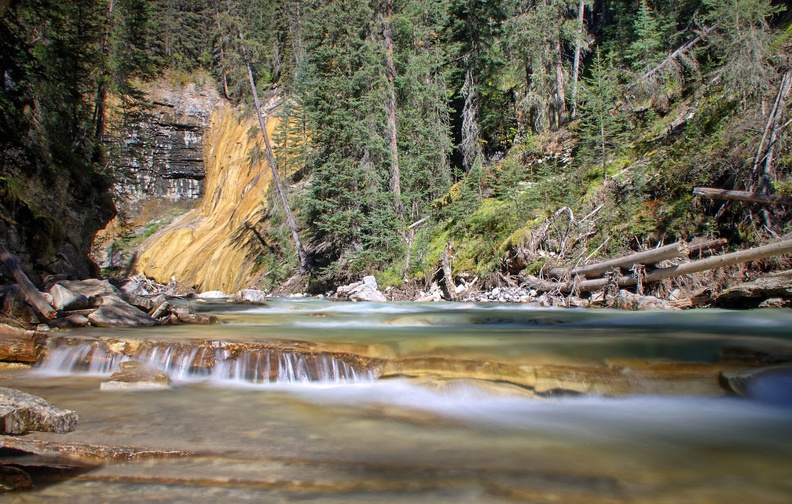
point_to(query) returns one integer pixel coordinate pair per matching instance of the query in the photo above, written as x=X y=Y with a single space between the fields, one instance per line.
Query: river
x=424 y=430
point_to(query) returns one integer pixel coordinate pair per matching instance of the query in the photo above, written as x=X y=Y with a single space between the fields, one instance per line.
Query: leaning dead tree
x=579 y=285
x=33 y=295
x=304 y=262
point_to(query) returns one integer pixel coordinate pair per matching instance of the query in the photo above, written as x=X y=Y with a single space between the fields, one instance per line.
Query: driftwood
x=672 y=251
x=749 y=197
x=774 y=249
x=448 y=279
x=34 y=296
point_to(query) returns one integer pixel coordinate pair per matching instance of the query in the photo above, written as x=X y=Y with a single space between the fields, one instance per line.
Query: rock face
x=21 y=413
x=163 y=153
x=17 y=346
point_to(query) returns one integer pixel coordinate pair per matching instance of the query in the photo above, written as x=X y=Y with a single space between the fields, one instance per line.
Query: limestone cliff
x=214 y=247
x=161 y=153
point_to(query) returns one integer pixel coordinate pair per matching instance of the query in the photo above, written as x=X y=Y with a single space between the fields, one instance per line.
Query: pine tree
x=602 y=119
x=646 y=50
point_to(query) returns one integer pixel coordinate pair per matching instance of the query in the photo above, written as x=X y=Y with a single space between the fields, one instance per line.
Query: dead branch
x=748 y=197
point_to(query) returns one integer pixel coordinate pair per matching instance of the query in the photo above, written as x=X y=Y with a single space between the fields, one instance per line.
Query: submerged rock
x=771 y=384
x=135 y=375
x=115 y=312
x=21 y=413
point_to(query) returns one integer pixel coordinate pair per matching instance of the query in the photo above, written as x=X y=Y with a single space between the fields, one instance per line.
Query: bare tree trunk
x=743 y=256
x=390 y=107
x=304 y=265
x=100 y=112
x=33 y=295
x=471 y=151
x=576 y=62
x=560 y=92
x=748 y=197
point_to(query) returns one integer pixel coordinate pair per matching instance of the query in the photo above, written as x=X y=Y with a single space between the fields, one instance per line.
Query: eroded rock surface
x=115 y=312
x=21 y=412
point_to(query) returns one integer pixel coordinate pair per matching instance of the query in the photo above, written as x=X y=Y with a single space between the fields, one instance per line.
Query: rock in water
x=21 y=413
x=13 y=479
x=366 y=291
x=136 y=376
x=251 y=296
x=115 y=312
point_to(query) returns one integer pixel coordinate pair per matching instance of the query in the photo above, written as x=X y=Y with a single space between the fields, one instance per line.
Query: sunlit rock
x=66 y=299
x=89 y=288
x=115 y=312
x=251 y=296
x=21 y=413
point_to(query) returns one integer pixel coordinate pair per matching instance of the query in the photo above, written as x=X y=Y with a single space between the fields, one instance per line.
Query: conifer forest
x=516 y=135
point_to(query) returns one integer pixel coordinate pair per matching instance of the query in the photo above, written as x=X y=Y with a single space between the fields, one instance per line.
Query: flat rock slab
x=87 y=451
x=115 y=312
x=21 y=412
x=752 y=294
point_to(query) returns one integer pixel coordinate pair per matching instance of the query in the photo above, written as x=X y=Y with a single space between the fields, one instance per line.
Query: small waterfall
x=209 y=361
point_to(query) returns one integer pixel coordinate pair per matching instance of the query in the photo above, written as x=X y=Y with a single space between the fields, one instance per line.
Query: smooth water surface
x=364 y=439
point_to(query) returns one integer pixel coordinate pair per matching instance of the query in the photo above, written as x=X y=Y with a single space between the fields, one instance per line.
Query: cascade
x=214 y=361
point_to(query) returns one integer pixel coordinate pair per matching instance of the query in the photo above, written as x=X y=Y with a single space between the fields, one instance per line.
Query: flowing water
x=301 y=400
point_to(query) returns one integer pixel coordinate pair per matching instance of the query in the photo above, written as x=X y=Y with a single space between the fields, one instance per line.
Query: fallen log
x=748 y=197
x=34 y=296
x=654 y=256
x=774 y=249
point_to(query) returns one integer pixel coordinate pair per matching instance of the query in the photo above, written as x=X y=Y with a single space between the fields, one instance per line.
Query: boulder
x=90 y=288
x=144 y=303
x=70 y=321
x=115 y=312
x=752 y=294
x=136 y=376
x=626 y=300
x=66 y=299
x=252 y=296
x=187 y=316
x=21 y=413
x=366 y=290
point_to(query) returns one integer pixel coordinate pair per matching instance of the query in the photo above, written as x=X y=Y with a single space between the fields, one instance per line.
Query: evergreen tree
x=602 y=120
x=646 y=50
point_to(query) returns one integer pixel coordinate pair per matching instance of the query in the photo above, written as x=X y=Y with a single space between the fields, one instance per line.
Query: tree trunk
x=576 y=61
x=560 y=92
x=304 y=264
x=390 y=107
x=34 y=296
x=100 y=112
x=748 y=197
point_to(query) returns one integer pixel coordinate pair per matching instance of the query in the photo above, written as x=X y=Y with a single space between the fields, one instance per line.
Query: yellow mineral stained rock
x=214 y=247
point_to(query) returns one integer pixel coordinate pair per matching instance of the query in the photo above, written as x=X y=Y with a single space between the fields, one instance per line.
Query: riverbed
x=369 y=435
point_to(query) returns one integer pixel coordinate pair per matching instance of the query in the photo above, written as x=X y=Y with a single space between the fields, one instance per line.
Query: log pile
x=641 y=267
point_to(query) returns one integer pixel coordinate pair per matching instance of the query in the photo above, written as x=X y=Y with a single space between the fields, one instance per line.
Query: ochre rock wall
x=213 y=247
